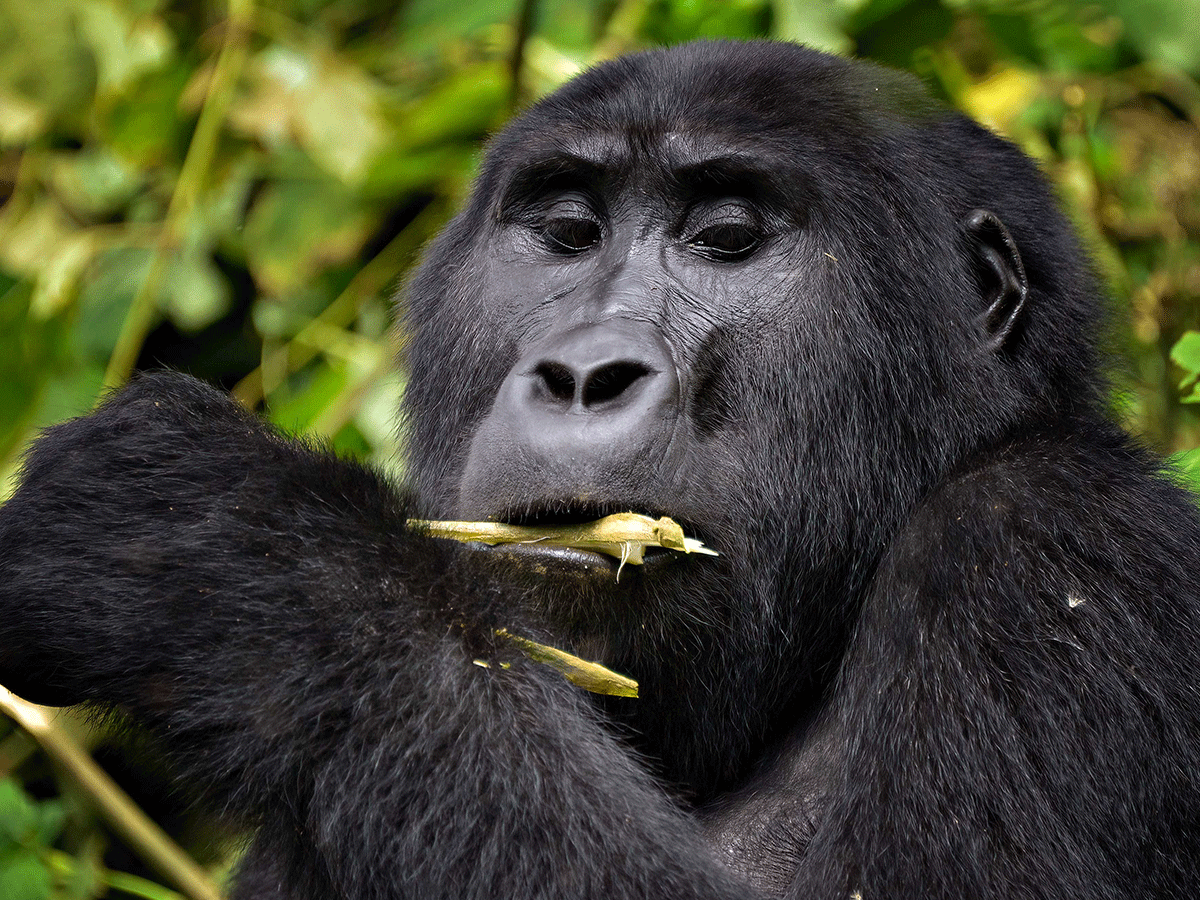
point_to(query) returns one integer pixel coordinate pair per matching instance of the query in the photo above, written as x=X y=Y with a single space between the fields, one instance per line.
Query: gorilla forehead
x=766 y=99
x=740 y=85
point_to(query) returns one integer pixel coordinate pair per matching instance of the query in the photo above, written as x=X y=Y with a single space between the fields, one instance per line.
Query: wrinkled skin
x=839 y=333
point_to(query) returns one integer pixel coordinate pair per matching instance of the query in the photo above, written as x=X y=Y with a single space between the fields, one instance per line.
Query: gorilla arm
x=1016 y=713
x=306 y=663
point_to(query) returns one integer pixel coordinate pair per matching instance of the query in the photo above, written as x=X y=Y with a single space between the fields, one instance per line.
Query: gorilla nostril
x=557 y=379
x=610 y=381
x=617 y=370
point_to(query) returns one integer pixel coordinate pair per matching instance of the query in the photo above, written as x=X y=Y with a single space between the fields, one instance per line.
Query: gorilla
x=841 y=334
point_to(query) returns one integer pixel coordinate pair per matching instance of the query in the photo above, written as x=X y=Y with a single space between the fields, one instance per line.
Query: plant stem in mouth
x=623 y=535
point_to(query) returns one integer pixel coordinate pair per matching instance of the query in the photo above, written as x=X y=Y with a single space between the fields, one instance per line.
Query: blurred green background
x=236 y=190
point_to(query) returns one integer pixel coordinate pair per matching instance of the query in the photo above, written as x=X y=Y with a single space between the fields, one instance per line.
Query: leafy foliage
x=26 y=831
x=238 y=190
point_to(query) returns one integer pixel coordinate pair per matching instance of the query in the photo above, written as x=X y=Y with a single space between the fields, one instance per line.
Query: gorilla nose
x=601 y=370
x=586 y=411
x=592 y=387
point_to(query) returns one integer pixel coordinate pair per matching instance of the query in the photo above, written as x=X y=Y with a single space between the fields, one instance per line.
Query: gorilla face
x=624 y=271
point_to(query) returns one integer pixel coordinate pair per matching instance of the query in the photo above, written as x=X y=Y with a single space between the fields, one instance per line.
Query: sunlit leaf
x=93 y=181
x=326 y=104
x=43 y=59
x=995 y=101
x=818 y=25
x=196 y=293
x=1187 y=464
x=298 y=226
x=44 y=244
x=124 y=46
x=21 y=120
x=1186 y=353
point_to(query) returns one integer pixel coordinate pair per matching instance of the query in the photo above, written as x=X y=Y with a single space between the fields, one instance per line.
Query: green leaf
x=21 y=371
x=1186 y=355
x=69 y=393
x=51 y=817
x=46 y=245
x=107 y=293
x=297 y=412
x=1161 y=30
x=818 y=25
x=398 y=172
x=21 y=120
x=23 y=876
x=426 y=24
x=93 y=181
x=18 y=817
x=328 y=105
x=144 y=124
x=297 y=227
x=464 y=106
x=688 y=19
x=196 y=292
x=123 y=46
x=219 y=215
x=895 y=32
x=1187 y=464
x=43 y=58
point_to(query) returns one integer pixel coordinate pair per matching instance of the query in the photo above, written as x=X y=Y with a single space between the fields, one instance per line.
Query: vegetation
x=236 y=189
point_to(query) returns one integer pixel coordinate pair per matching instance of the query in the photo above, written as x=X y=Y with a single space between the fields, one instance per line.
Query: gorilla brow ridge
x=690 y=171
x=540 y=177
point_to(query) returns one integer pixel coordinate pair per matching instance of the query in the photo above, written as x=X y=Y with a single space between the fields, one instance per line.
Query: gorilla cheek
x=588 y=414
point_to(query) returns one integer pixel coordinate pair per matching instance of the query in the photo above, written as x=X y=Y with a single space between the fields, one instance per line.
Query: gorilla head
x=772 y=294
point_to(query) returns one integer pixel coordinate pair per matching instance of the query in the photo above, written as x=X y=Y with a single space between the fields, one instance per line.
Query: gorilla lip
x=572 y=560
x=570 y=556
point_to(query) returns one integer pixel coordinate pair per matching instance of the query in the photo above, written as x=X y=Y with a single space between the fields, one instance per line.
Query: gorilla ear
x=1000 y=274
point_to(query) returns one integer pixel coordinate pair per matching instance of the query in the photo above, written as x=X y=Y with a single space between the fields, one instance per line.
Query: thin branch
x=140 y=317
x=126 y=818
x=516 y=62
x=372 y=279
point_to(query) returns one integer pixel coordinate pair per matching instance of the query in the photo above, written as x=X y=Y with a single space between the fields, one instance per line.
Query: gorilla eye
x=571 y=235
x=728 y=233
x=727 y=242
x=570 y=226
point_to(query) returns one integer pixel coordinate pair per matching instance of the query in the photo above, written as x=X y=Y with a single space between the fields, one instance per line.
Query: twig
x=370 y=280
x=150 y=841
x=516 y=62
x=140 y=316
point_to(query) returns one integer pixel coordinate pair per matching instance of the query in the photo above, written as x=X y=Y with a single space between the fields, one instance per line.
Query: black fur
x=948 y=650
